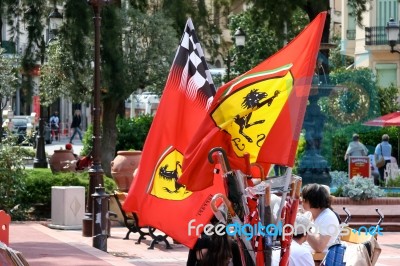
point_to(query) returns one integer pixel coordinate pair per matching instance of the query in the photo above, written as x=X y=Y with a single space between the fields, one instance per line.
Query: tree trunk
x=109 y=137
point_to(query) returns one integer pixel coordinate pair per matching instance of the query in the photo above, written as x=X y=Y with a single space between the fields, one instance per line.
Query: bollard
x=100 y=218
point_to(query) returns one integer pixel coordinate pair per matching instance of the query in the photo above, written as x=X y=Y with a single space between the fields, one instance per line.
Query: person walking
x=55 y=125
x=383 y=149
x=75 y=125
x=356 y=148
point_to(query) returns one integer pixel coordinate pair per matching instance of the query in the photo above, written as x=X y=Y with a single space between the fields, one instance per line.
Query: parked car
x=21 y=127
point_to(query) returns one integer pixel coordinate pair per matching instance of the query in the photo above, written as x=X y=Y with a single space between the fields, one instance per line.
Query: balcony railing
x=8 y=46
x=351 y=35
x=376 y=36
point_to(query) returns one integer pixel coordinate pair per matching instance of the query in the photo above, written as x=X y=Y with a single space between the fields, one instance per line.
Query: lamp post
x=240 y=39
x=40 y=161
x=95 y=171
x=392 y=31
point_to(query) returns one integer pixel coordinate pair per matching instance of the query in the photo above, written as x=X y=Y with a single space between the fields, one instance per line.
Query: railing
x=376 y=36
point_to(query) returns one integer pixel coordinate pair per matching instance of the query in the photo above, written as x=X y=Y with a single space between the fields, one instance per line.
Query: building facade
x=26 y=103
x=368 y=44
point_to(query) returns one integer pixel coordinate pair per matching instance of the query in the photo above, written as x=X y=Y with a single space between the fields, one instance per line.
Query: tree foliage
x=354 y=97
x=8 y=82
x=8 y=75
x=388 y=99
x=137 y=49
x=149 y=48
x=276 y=13
x=261 y=41
x=61 y=76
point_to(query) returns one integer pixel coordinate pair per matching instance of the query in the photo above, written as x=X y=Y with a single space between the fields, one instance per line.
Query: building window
x=386 y=75
x=386 y=9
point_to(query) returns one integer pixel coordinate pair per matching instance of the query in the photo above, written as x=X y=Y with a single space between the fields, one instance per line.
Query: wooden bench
x=131 y=221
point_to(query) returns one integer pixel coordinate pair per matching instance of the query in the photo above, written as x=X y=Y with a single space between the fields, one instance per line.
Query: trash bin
x=67 y=207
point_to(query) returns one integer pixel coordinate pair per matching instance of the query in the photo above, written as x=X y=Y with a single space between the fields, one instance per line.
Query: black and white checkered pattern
x=196 y=78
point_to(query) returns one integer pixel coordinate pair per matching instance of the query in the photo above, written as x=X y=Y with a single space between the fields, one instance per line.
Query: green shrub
x=87 y=141
x=28 y=152
x=38 y=183
x=132 y=132
x=393 y=194
x=361 y=188
x=12 y=173
x=339 y=178
x=394 y=182
x=337 y=141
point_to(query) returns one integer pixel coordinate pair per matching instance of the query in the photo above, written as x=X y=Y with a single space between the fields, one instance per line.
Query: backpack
x=335 y=256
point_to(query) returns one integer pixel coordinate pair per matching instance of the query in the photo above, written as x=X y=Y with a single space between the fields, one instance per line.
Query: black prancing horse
x=253 y=100
x=172 y=176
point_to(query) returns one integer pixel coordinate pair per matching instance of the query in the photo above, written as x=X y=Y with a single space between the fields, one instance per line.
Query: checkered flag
x=190 y=71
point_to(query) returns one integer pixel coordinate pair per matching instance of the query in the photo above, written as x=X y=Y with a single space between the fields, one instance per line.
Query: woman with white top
x=317 y=200
x=383 y=149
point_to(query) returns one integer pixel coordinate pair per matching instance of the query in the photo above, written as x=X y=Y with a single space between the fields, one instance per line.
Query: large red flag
x=260 y=112
x=155 y=195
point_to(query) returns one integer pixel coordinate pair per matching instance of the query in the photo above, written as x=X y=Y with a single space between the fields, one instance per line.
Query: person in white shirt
x=355 y=148
x=317 y=200
x=383 y=149
x=300 y=255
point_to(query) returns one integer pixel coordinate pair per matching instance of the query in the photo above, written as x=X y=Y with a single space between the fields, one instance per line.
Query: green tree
x=8 y=83
x=261 y=41
x=388 y=99
x=137 y=50
x=354 y=97
x=276 y=14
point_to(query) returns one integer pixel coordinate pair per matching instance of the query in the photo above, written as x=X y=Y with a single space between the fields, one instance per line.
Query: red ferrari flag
x=155 y=196
x=260 y=112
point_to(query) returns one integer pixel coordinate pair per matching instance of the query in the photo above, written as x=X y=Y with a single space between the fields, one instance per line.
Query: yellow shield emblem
x=165 y=176
x=249 y=113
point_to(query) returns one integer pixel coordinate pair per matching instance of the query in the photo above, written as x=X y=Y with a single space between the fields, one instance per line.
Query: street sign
x=359 y=165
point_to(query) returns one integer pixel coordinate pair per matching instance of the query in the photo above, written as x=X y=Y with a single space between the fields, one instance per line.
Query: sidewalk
x=58 y=144
x=43 y=246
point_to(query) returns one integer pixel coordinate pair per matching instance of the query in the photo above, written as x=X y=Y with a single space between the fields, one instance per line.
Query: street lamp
x=240 y=39
x=95 y=171
x=55 y=21
x=40 y=161
x=392 y=31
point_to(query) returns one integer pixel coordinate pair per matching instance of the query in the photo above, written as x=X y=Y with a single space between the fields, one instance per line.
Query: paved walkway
x=43 y=246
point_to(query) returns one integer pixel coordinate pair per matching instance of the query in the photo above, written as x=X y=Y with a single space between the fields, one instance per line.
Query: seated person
x=214 y=250
x=84 y=162
x=300 y=255
x=317 y=201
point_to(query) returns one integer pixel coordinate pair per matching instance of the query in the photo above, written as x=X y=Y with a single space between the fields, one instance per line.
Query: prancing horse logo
x=253 y=100
x=171 y=175
x=164 y=181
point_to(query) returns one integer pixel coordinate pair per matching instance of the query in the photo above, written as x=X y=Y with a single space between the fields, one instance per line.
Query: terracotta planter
x=62 y=161
x=122 y=168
